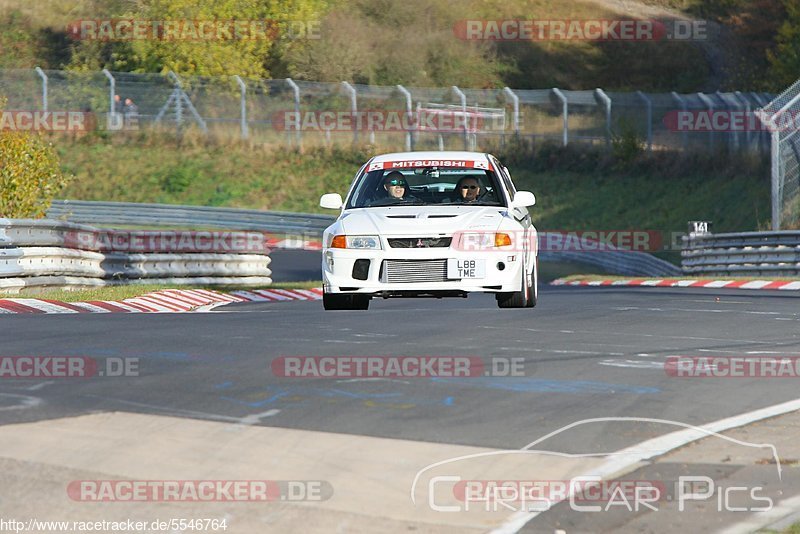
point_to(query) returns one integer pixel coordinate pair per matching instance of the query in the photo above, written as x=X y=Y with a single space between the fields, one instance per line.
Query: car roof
x=432 y=155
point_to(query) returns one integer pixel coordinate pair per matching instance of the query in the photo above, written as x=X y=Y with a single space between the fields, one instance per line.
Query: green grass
x=126 y=292
x=235 y=174
x=792 y=529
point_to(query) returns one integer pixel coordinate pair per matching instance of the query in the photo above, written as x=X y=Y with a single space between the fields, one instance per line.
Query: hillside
x=418 y=44
x=575 y=190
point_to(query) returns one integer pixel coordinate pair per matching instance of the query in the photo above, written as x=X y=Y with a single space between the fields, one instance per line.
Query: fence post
x=682 y=103
x=112 y=122
x=179 y=98
x=775 y=179
x=510 y=95
x=565 y=113
x=763 y=135
x=296 y=94
x=649 y=106
x=243 y=105
x=409 y=112
x=607 y=101
x=353 y=108
x=463 y=98
x=43 y=76
x=777 y=166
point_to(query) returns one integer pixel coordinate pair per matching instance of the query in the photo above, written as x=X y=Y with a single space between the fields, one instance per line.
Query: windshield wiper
x=383 y=202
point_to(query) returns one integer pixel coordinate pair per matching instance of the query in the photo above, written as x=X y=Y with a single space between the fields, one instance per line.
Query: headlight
x=361 y=242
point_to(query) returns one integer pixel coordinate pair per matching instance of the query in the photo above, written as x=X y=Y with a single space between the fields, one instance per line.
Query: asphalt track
x=587 y=352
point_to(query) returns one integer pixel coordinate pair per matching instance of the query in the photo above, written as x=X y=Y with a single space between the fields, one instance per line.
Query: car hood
x=421 y=220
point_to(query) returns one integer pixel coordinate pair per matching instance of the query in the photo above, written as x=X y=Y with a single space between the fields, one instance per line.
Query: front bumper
x=338 y=272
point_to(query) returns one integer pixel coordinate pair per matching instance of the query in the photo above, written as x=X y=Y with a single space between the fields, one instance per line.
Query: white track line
x=624 y=460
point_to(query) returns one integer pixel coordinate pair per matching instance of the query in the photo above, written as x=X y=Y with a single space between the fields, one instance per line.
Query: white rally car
x=430 y=224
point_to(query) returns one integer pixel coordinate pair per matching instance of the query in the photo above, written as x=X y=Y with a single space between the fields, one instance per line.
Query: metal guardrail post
x=463 y=98
x=565 y=114
x=296 y=94
x=409 y=112
x=682 y=103
x=607 y=102
x=649 y=117
x=353 y=107
x=243 y=106
x=43 y=76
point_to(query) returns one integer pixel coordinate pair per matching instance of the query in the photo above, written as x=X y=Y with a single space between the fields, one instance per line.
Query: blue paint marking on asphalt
x=534 y=385
x=158 y=355
x=395 y=398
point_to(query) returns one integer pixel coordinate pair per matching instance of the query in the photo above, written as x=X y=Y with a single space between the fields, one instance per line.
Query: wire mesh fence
x=304 y=113
x=781 y=118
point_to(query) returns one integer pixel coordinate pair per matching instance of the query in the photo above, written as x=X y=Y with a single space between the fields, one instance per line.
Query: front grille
x=419 y=242
x=410 y=271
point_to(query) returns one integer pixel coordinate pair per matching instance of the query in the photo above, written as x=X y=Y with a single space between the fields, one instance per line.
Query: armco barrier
x=37 y=253
x=165 y=215
x=625 y=263
x=742 y=254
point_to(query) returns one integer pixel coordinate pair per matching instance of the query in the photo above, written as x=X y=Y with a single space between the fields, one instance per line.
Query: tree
x=388 y=42
x=185 y=53
x=30 y=175
x=785 y=59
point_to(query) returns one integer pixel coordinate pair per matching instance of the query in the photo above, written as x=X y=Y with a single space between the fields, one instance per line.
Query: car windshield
x=426 y=186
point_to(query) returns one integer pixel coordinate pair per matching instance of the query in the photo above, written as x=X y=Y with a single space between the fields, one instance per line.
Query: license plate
x=457 y=268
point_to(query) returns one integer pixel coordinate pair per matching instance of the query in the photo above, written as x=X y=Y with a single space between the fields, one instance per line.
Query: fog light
x=361 y=269
x=501 y=266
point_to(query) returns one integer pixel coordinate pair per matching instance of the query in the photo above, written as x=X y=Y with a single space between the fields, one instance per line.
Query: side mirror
x=331 y=201
x=523 y=199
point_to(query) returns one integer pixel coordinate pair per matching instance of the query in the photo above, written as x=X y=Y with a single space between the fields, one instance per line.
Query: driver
x=468 y=189
x=396 y=187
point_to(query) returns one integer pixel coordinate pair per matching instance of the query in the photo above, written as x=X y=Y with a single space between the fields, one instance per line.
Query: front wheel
x=526 y=297
x=344 y=302
x=533 y=294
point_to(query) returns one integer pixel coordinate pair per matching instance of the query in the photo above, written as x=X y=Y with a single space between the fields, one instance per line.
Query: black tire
x=533 y=295
x=525 y=298
x=344 y=302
